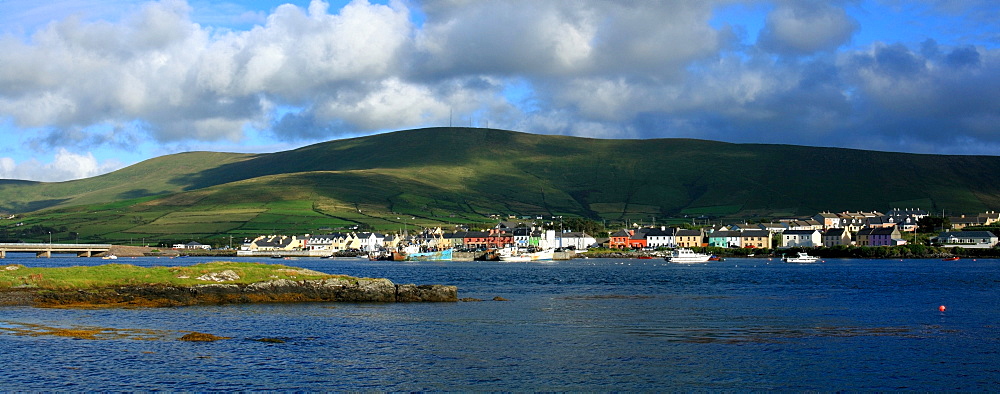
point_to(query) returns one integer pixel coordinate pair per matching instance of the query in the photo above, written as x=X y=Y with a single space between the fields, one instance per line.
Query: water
x=581 y=325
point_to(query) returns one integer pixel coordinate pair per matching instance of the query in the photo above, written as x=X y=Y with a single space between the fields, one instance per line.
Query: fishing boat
x=802 y=257
x=687 y=256
x=437 y=255
x=387 y=255
x=516 y=256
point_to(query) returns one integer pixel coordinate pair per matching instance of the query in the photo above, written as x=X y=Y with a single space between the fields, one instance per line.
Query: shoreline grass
x=17 y=276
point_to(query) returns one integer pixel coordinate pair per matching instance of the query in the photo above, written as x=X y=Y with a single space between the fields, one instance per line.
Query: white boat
x=801 y=258
x=110 y=257
x=546 y=254
x=687 y=256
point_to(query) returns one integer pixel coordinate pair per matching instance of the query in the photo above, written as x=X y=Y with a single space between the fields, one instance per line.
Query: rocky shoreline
x=275 y=291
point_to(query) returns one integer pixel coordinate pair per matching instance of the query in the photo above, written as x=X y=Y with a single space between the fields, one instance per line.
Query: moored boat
x=953 y=258
x=546 y=254
x=802 y=257
x=687 y=256
x=437 y=255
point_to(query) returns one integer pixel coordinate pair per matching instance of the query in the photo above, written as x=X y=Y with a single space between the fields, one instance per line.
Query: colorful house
x=689 y=238
x=755 y=239
x=879 y=236
x=619 y=240
x=836 y=236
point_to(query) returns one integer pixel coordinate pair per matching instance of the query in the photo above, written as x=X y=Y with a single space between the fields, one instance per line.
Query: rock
x=499 y=298
x=224 y=276
x=335 y=289
x=201 y=337
x=431 y=293
x=470 y=299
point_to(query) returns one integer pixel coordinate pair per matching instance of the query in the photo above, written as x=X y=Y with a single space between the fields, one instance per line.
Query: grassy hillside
x=446 y=176
x=158 y=176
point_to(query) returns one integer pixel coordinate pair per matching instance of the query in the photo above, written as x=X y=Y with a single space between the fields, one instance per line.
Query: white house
x=801 y=239
x=332 y=242
x=576 y=240
x=370 y=242
x=967 y=239
x=192 y=245
x=661 y=238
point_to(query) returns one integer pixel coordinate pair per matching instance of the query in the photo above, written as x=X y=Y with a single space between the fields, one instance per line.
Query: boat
x=546 y=254
x=437 y=255
x=387 y=255
x=953 y=258
x=715 y=258
x=687 y=256
x=802 y=257
x=110 y=257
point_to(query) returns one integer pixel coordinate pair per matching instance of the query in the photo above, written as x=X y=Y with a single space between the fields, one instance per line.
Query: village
x=825 y=229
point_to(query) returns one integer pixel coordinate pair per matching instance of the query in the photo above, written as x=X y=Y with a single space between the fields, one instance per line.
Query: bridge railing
x=35 y=245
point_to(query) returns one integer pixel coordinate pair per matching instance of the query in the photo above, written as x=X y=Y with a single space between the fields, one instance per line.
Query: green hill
x=447 y=176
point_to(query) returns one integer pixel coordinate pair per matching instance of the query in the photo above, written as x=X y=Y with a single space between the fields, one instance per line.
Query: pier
x=46 y=250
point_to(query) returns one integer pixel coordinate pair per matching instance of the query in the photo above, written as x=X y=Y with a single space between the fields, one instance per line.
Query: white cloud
x=185 y=81
x=65 y=166
x=802 y=28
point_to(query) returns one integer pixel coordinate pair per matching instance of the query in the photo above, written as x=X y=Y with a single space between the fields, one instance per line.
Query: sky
x=91 y=87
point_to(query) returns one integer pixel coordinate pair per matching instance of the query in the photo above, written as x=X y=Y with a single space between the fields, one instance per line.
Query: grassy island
x=108 y=275
x=122 y=285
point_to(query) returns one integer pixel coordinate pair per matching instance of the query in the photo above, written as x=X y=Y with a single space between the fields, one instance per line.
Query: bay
x=579 y=325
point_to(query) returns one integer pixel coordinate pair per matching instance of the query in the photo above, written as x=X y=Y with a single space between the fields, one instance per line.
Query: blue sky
x=90 y=87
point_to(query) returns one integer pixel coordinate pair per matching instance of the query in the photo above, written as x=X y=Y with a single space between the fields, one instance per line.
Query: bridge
x=46 y=250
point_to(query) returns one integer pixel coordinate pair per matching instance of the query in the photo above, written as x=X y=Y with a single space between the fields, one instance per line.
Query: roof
x=522 y=232
x=656 y=232
x=799 y=232
x=621 y=233
x=907 y=211
x=881 y=220
x=837 y=232
x=968 y=220
x=755 y=233
x=877 y=231
x=967 y=234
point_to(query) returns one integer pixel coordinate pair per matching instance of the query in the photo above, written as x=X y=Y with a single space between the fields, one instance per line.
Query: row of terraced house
x=503 y=235
x=824 y=229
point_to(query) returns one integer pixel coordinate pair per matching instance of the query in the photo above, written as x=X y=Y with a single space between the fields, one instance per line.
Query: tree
x=932 y=224
x=588 y=226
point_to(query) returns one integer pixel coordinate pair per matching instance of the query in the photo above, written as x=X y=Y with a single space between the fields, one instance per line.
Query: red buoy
x=941 y=308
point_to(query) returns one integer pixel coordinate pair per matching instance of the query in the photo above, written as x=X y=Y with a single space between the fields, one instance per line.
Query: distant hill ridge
x=441 y=173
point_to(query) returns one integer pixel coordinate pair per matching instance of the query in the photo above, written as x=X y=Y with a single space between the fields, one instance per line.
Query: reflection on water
x=585 y=325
